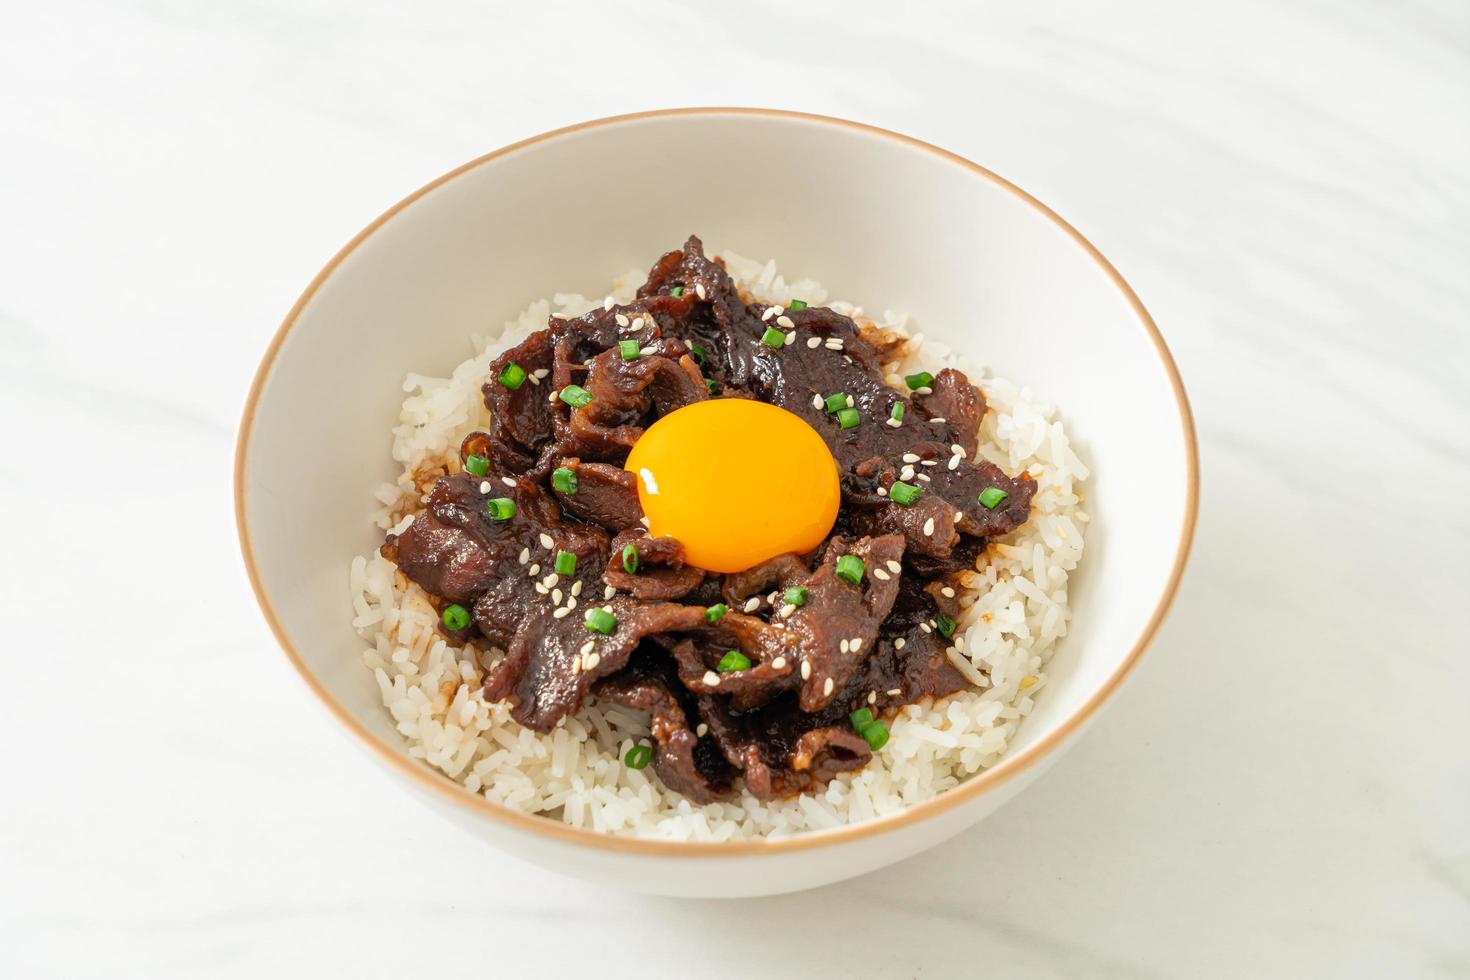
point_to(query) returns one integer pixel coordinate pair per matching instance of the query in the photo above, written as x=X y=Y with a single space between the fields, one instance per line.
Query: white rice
x=1015 y=610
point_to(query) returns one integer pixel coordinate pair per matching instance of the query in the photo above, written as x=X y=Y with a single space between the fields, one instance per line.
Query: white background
x=1282 y=790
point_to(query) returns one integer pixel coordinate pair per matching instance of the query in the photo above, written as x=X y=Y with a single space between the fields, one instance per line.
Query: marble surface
x=1282 y=790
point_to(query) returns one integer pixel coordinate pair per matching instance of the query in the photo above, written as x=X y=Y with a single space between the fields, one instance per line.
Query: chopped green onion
x=455 y=617
x=904 y=494
x=565 y=564
x=921 y=380
x=513 y=376
x=710 y=384
x=796 y=304
x=796 y=595
x=946 y=625
x=849 y=418
x=629 y=349
x=992 y=497
x=773 y=338
x=835 y=403
x=733 y=660
x=501 y=508
x=861 y=718
x=576 y=396
x=477 y=465
x=850 y=569
x=677 y=291
x=600 y=621
x=638 y=757
x=564 y=480
x=876 y=734
x=700 y=354
x=630 y=558
x=896 y=412
x=713 y=613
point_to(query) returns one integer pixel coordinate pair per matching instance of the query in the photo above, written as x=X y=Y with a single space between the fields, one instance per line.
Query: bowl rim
x=985 y=781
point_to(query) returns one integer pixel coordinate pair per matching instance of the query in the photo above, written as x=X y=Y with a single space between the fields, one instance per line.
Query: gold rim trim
x=981 y=782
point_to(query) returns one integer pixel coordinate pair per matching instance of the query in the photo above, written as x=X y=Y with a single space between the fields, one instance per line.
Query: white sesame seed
x=752 y=604
x=923 y=390
x=540 y=373
x=545 y=540
x=959 y=643
x=560 y=612
x=769 y=312
x=880 y=575
x=646 y=351
x=543 y=590
x=607 y=304
x=550 y=580
x=552 y=397
x=507 y=481
x=791 y=338
x=561 y=316
x=702 y=730
x=621 y=320
x=872 y=697
x=485 y=486
x=534 y=570
x=857 y=644
x=929 y=462
x=806 y=670
x=785 y=321
x=577 y=666
x=711 y=679
x=882 y=491
x=607 y=609
x=894 y=692
x=638 y=323
x=816 y=401
x=699 y=290
x=846 y=359
x=844 y=646
x=814 y=342
x=832 y=343
x=533 y=379
x=929 y=527
x=849 y=401
x=957 y=449
x=593 y=660
x=937 y=420
x=894 y=566
x=907 y=473
x=926 y=628
x=899 y=643
x=892 y=423
x=926 y=478
x=525 y=556
x=910 y=457
x=954 y=462
x=577 y=587
x=609 y=592
x=572 y=602
x=947 y=592
x=587 y=647
x=827 y=688
x=786 y=610
x=778 y=663
x=556 y=596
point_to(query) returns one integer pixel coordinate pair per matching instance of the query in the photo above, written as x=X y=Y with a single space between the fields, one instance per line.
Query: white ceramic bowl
x=878 y=218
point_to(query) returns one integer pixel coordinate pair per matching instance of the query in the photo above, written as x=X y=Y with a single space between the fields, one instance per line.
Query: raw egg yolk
x=736 y=482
